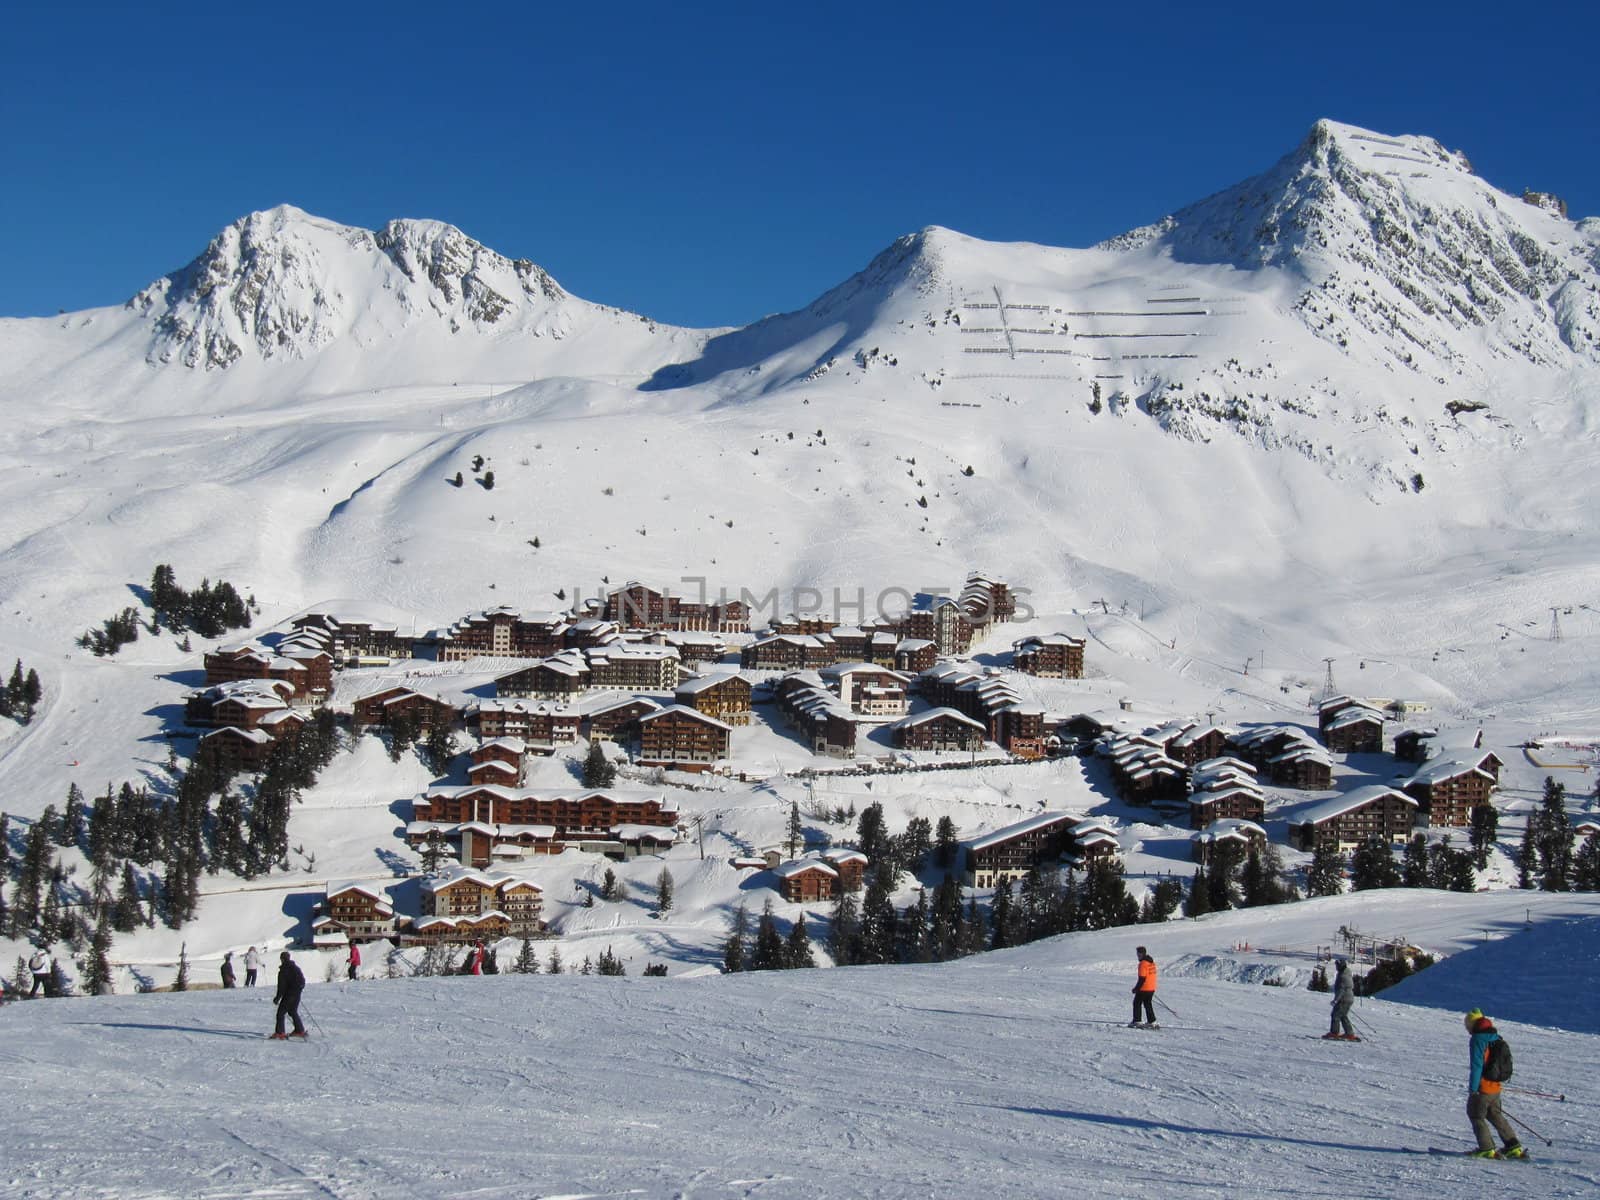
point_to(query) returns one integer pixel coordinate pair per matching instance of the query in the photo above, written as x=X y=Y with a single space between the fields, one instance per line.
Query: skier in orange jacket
x=1144 y=992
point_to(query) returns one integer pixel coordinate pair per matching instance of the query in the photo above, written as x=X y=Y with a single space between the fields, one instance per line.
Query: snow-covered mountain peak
x=1396 y=240
x=282 y=284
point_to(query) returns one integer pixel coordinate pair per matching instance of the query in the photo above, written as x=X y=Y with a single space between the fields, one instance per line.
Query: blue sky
x=707 y=164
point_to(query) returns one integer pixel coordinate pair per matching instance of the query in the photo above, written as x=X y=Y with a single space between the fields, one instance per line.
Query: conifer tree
x=1372 y=865
x=1198 y=902
x=1000 y=917
x=916 y=942
x=1586 y=865
x=609 y=964
x=553 y=965
x=1105 y=901
x=1161 y=901
x=598 y=771
x=609 y=885
x=767 y=953
x=433 y=852
x=796 y=830
x=944 y=844
x=1553 y=838
x=98 y=975
x=797 y=950
x=1414 y=863
x=878 y=917
x=181 y=982
x=126 y=915
x=72 y=819
x=1485 y=829
x=526 y=963
x=1325 y=875
x=916 y=842
x=844 y=933
x=664 y=889
x=733 y=947
x=1225 y=860
x=1527 y=857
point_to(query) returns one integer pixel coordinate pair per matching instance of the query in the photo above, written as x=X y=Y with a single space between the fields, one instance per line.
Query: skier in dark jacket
x=1344 y=995
x=227 y=970
x=290 y=984
x=1483 y=1095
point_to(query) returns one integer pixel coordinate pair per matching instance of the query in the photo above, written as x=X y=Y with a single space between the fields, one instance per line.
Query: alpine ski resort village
x=1033 y=722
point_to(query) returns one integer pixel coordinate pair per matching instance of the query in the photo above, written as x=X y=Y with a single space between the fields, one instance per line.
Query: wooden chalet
x=1307 y=768
x=382 y=708
x=462 y=892
x=559 y=677
x=788 y=652
x=1332 y=706
x=542 y=726
x=353 y=641
x=683 y=739
x=694 y=648
x=807 y=880
x=242 y=703
x=1013 y=851
x=1237 y=802
x=1354 y=729
x=1448 y=791
x=941 y=621
x=228 y=749
x=353 y=912
x=987 y=600
x=309 y=672
x=1198 y=743
x=635 y=606
x=1349 y=820
x=1241 y=833
x=616 y=719
x=724 y=695
x=487 y=927
x=851 y=866
x=1051 y=656
x=867 y=688
x=939 y=730
x=502 y=633
x=1092 y=839
x=820 y=717
x=634 y=666
x=912 y=656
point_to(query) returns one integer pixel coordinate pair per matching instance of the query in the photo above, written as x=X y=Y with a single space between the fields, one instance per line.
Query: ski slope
x=1008 y=1074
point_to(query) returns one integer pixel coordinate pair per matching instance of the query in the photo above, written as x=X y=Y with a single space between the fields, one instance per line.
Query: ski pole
x=1530 y=1092
x=1530 y=1129
x=1168 y=1007
x=313 y=1020
x=1365 y=1028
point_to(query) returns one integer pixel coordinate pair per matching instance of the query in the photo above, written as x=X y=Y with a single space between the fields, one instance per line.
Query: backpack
x=1497 y=1063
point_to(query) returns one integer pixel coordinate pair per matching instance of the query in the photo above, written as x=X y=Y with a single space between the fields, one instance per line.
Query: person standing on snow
x=1483 y=1095
x=290 y=984
x=1344 y=995
x=252 y=964
x=227 y=970
x=39 y=965
x=354 y=960
x=477 y=959
x=1144 y=991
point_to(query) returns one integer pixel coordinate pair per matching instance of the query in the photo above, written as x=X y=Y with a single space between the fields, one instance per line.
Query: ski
x=1468 y=1154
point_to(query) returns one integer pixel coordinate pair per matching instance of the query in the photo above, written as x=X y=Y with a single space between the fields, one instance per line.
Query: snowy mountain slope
x=1003 y=1075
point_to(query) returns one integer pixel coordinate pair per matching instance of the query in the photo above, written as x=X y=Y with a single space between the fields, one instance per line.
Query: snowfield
x=1338 y=423
x=1008 y=1074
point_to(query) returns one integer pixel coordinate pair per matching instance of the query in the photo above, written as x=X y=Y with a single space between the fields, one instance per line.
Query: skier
x=477 y=959
x=1144 y=991
x=227 y=969
x=354 y=960
x=1483 y=1095
x=1344 y=995
x=252 y=964
x=39 y=964
x=290 y=984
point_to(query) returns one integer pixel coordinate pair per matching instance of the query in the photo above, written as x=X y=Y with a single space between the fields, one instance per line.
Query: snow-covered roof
x=1438 y=770
x=801 y=865
x=931 y=714
x=843 y=855
x=1355 y=714
x=683 y=710
x=700 y=683
x=335 y=888
x=1093 y=825
x=1349 y=802
x=514 y=744
x=644 y=833
x=1230 y=828
x=1006 y=833
x=258 y=736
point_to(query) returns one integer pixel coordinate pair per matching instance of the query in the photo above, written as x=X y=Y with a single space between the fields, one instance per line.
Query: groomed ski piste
x=1008 y=1074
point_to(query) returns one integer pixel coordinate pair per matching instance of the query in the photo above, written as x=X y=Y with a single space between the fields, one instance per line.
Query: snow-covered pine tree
x=844 y=932
x=1325 y=875
x=1485 y=830
x=767 y=953
x=526 y=963
x=553 y=965
x=97 y=978
x=664 y=889
x=733 y=946
x=796 y=831
x=797 y=950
